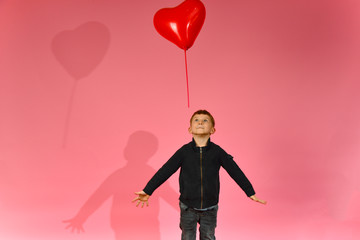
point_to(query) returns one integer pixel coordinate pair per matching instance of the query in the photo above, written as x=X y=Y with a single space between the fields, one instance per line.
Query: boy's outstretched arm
x=142 y=197
x=254 y=198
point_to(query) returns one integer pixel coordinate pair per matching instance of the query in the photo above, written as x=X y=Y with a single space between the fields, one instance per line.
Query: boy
x=200 y=162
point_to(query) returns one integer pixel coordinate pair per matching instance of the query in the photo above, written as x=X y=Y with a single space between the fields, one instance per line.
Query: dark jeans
x=189 y=219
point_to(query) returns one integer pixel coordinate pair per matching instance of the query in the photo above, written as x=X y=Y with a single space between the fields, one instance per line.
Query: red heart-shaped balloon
x=182 y=24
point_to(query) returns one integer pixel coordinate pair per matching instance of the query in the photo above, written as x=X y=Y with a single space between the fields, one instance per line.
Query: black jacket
x=199 y=174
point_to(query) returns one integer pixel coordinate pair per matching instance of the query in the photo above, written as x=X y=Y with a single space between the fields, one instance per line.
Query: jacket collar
x=197 y=149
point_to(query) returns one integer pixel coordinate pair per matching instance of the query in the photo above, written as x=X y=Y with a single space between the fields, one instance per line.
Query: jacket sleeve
x=168 y=169
x=235 y=173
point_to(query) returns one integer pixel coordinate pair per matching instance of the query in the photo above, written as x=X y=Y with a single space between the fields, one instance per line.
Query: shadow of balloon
x=79 y=52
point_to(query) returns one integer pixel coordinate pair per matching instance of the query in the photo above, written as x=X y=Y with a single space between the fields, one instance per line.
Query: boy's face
x=201 y=125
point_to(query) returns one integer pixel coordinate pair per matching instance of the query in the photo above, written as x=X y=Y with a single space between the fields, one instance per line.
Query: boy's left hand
x=254 y=198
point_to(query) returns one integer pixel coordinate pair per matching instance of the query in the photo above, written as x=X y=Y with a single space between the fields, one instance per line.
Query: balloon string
x=187 y=81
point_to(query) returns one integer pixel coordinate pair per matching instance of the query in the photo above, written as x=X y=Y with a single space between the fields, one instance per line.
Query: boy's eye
x=205 y=120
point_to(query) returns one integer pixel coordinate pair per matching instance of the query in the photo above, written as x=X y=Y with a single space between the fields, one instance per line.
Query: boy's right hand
x=141 y=198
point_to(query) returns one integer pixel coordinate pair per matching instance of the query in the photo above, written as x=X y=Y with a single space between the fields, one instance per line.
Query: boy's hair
x=205 y=113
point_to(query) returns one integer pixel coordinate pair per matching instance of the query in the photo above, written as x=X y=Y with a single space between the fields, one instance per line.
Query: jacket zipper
x=201 y=178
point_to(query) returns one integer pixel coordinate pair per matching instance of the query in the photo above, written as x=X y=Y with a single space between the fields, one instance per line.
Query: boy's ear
x=213 y=130
x=189 y=129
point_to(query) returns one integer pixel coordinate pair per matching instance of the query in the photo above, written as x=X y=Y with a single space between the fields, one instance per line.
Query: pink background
x=93 y=101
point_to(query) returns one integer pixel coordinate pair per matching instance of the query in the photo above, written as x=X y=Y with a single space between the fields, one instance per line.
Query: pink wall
x=280 y=77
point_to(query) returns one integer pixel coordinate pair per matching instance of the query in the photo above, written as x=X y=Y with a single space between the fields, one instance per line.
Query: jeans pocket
x=183 y=207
